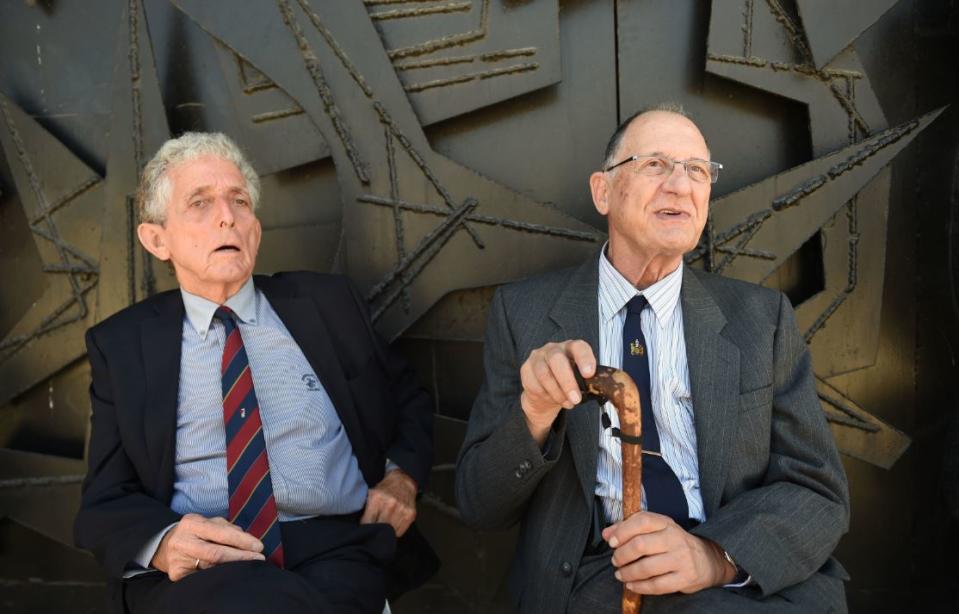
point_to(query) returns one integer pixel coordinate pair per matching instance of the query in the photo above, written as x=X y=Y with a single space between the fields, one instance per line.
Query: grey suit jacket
x=773 y=487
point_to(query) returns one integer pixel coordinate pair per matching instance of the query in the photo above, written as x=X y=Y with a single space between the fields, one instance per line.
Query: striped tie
x=252 y=506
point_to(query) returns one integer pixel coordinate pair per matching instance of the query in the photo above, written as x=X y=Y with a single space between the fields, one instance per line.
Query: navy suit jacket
x=135 y=362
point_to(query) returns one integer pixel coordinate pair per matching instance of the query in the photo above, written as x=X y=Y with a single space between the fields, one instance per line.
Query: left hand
x=392 y=501
x=653 y=556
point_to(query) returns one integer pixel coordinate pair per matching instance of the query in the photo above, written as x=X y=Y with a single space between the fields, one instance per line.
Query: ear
x=153 y=239
x=599 y=186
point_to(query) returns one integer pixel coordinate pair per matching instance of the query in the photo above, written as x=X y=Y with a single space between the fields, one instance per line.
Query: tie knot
x=225 y=314
x=637 y=304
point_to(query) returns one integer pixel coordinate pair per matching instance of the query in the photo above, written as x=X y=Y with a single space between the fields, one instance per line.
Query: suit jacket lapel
x=161 y=339
x=305 y=323
x=714 y=379
x=576 y=313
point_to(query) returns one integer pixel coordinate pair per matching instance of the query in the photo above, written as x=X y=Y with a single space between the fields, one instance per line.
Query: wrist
x=730 y=569
x=537 y=424
x=724 y=565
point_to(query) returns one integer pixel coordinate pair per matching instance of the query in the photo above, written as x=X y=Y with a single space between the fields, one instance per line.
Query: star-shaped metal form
x=766 y=46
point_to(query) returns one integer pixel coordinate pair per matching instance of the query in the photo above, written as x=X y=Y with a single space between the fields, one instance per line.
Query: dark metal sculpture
x=370 y=124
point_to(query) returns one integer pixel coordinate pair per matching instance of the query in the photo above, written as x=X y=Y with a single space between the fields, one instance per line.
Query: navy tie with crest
x=664 y=493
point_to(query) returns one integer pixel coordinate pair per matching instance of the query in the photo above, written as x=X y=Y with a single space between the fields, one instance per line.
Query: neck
x=641 y=270
x=216 y=293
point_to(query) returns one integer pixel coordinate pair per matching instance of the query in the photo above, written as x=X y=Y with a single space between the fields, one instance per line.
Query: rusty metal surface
x=433 y=149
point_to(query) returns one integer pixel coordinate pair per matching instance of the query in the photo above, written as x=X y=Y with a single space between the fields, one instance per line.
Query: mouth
x=227 y=248
x=672 y=213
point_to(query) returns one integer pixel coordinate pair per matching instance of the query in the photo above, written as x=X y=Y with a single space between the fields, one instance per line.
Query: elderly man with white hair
x=254 y=443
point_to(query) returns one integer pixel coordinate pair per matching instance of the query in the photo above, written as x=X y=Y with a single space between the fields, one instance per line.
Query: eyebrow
x=206 y=188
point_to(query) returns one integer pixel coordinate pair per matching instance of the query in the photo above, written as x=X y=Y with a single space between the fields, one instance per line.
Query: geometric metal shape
x=268 y=124
x=28 y=484
x=857 y=432
x=827 y=37
x=753 y=47
x=139 y=127
x=755 y=229
x=61 y=198
x=455 y=57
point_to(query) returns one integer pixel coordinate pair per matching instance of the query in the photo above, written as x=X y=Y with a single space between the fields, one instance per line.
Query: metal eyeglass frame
x=714 y=167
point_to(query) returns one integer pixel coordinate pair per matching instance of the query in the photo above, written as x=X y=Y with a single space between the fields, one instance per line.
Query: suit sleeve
x=411 y=444
x=784 y=530
x=116 y=516
x=500 y=464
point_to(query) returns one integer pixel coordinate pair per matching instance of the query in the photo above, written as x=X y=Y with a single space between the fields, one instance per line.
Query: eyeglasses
x=700 y=171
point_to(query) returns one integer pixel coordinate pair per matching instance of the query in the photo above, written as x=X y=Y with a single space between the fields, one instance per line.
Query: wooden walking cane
x=617 y=387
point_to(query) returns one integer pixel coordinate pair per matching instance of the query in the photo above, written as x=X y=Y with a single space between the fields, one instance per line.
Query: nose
x=224 y=213
x=678 y=180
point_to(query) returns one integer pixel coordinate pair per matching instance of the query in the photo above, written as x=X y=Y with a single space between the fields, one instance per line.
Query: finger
x=544 y=375
x=400 y=518
x=531 y=385
x=660 y=585
x=637 y=524
x=639 y=546
x=562 y=371
x=646 y=567
x=222 y=532
x=216 y=554
x=582 y=355
x=374 y=507
x=403 y=523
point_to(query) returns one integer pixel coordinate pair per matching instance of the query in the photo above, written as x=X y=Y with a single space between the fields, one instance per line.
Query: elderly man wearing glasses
x=744 y=496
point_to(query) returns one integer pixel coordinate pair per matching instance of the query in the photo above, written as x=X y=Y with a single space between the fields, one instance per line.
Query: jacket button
x=518 y=473
x=526 y=465
x=566 y=569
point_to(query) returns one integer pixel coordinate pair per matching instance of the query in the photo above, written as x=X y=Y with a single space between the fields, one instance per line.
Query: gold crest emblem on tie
x=636 y=348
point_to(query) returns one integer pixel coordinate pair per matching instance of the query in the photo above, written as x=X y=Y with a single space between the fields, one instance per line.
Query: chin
x=230 y=275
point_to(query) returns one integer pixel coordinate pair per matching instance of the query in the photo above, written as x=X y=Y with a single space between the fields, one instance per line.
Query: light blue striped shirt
x=312 y=465
x=669 y=377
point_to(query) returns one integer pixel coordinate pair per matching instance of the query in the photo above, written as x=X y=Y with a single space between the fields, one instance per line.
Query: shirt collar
x=199 y=311
x=615 y=291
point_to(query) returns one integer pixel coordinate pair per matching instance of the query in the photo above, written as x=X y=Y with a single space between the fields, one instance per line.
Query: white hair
x=154 y=190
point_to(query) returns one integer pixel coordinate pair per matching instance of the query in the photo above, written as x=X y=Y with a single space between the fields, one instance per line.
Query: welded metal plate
x=455 y=56
x=845 y=23
x=62 y=201
x=129 y=274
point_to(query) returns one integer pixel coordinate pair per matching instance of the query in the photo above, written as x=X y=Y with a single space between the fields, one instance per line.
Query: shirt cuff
x=141 y=562
x=391 y=466
x=747 y=582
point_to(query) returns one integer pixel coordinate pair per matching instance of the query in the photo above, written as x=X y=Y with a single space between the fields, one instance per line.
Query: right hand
x=210 y=540
x=550 y=385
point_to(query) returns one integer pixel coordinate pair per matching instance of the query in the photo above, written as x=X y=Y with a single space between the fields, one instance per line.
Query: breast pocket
x=756 y=399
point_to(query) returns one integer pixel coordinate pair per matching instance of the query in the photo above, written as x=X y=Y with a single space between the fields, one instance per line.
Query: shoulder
x=539 y=290
x=737 y=298
x=129 y=318
x=325 y=286
x=308 y=280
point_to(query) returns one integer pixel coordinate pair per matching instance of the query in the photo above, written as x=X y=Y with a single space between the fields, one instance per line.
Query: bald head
x=642 y=118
